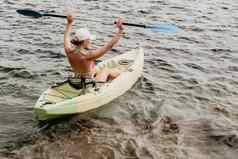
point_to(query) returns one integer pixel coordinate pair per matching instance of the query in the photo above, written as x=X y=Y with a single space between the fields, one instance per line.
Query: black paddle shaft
x=128 y=24
x=35 y=14
x=54 y=15
x=135 y=25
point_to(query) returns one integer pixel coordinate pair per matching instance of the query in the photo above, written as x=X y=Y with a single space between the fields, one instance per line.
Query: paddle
x=154 y=28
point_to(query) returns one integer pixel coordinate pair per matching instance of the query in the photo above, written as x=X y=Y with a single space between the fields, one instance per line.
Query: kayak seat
x=81 y=83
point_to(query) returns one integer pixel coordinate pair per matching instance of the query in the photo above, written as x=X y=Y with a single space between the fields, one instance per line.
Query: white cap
x=84 y=34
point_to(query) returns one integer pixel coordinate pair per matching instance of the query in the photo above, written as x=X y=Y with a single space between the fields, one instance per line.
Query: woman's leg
x=114 y=72
x=102 y=75
x=106 y=74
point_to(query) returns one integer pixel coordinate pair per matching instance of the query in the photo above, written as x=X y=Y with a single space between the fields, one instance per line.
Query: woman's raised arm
x=67 y=43
x=102 y=50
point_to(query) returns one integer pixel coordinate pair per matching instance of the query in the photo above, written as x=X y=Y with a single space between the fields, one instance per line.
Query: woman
x=82 y=61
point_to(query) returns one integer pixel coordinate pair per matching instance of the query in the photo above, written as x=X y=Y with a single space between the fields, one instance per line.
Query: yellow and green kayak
x=63 y=99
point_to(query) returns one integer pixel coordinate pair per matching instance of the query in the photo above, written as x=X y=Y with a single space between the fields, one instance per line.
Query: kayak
x=63 y=99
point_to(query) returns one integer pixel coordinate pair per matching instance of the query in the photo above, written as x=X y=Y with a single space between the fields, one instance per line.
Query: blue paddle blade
x=166 y=28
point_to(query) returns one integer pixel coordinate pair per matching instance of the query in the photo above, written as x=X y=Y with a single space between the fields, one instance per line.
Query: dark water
x=189 y=77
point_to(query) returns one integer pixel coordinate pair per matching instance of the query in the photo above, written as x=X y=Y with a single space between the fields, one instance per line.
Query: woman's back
x=80 y=64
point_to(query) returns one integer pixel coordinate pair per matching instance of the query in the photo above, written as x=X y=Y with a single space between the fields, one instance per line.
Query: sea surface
x=184 y=107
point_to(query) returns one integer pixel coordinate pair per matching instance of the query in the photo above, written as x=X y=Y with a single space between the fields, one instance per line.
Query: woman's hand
x=119 y=23
x=70 y=19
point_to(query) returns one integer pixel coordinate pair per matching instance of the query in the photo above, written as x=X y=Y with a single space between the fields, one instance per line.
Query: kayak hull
x=65 y=100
